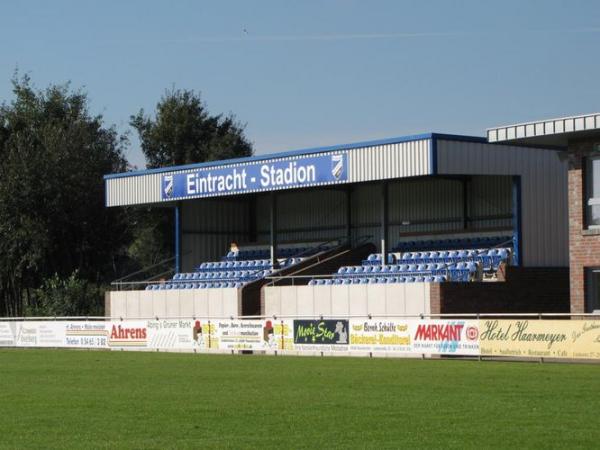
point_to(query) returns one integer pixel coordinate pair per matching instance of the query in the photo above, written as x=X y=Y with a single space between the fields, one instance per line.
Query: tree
x=53 y=155
x=181 y=132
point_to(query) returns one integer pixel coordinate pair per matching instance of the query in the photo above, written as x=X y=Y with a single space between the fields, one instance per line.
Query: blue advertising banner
x=259 y=176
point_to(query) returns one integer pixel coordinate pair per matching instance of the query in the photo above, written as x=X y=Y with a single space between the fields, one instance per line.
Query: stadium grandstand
x=419 y=224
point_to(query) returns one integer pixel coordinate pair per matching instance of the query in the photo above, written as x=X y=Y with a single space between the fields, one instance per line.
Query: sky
x=307 y=73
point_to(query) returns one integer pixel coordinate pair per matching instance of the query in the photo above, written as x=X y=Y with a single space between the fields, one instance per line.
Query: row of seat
x=452 y=244
x=217 y=284
x=463 y=272
x=223 y=275
x=490 y=259
x=226 y=273
x=430 y=267
x=254 y=264
x=379 y=280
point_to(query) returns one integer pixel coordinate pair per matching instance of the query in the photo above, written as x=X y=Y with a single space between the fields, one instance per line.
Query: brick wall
x=584 y=245
x=526 y=289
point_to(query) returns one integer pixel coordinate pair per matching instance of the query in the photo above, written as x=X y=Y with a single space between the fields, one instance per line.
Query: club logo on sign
x=472 y=333
x=337 y=166
x=168 y=186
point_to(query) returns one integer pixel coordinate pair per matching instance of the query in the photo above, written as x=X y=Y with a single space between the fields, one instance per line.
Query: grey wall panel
x=424 y=205
x=490 y=202
x=208 y=227
x=304 y=216
x=406 y=159
x=366 y=214
x=544 y=192
x=133 y=190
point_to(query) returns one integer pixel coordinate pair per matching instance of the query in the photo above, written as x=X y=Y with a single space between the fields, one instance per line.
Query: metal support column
x=516 y=213
x=384 y=222
x=273 y=229
x=465 y=199
x=349 y=215
x=178 y=238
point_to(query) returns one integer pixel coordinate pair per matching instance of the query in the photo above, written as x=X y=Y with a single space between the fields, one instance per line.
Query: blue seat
x=312 y=282
x=364 y=280
x=346 y=281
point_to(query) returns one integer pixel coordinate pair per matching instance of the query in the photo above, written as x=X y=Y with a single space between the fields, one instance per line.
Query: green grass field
x=87 y=399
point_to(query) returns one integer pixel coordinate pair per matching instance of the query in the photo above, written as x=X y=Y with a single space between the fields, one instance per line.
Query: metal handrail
x=304 y=316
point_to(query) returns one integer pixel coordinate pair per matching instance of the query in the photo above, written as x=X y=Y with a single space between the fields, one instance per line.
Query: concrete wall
x=525 y=290
x=388 y=299
x=175 y=303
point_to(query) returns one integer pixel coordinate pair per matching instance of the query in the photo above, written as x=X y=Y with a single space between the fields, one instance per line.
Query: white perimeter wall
x=379 y=299
x=175 y=303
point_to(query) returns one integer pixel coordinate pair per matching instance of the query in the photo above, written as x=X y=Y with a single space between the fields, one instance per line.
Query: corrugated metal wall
x=424 y=205
x=401 y=160
x=366 y=212
x=134 y=190
x=208 y=226
x=490 y=202
x=544 y=192
x=304 y=216
x=419 y=205
x=432 y=205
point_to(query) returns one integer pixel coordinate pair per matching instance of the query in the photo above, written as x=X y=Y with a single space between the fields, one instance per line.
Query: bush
x=71 y=296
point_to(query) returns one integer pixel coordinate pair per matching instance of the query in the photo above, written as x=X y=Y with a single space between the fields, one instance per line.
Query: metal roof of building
x=550 y=132
x=299 y=152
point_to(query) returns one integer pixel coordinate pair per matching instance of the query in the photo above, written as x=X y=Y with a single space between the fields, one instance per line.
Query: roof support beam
x=178 y=238
x=516 y=207
x=384 y=206
x=273 y=223
x=349 y=215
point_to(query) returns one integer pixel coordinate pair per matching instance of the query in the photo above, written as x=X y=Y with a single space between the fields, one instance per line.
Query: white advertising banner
x=241 y=335
x=400 y=336
x=40 y=334
x=86 y=334
x=7 y=334
x=446 y=337
x=384 y=335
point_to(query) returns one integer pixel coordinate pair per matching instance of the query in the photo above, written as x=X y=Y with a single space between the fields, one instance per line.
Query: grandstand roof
x=393 y=158
x=301 y=152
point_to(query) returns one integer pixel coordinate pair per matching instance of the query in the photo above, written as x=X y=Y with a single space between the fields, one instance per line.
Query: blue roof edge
x=308 y=151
